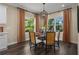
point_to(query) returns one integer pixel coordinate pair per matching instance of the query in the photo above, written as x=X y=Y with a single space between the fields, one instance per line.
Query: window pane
x=59 y=23
x=29 y=24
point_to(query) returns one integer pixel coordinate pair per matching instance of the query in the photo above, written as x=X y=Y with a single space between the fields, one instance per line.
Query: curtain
x=1 y=29
x=21 y=30
x=67 y=19
x=46 y=19
x=37 y=22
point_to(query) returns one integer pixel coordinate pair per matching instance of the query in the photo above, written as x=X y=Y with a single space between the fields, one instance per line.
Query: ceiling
x=38 y=7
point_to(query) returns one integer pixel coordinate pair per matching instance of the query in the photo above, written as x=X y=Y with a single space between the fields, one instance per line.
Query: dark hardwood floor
x=24 y=49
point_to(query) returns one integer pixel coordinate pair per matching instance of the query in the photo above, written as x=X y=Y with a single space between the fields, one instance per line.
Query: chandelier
x=44 y=12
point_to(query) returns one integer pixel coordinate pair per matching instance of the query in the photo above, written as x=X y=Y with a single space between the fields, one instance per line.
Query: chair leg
x=54 y=48
x=46 y=49
x=35 y=45
x=30 y=45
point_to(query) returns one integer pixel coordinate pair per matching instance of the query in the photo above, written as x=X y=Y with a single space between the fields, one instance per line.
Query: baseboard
x=26 y=40
x=16 y=42
x=12 y=43
x=3 y=49
x=69 y=42
x=73 y=43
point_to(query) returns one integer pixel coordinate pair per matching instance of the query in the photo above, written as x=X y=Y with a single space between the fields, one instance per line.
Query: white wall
x=73 y=25
x=2 y=14
x=12 y=24
x=9 y=16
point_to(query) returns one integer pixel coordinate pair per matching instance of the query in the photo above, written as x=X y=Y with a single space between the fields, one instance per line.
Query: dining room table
x=42 y=37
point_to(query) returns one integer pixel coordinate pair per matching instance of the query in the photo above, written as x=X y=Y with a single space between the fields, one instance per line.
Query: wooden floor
x=24 y=49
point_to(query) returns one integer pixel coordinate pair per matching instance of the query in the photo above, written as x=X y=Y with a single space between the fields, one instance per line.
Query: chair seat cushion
x=38 y=40
x=44 y=41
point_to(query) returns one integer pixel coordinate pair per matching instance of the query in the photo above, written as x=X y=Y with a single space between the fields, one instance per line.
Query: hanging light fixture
x=44 y=12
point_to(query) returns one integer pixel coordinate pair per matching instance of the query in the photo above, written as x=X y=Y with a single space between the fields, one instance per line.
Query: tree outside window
x=57 y=23
x=29 y=24
x=51 y=23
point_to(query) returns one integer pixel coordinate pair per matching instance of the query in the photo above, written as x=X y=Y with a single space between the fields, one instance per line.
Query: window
x=51 y=23
x=29 y=24
x=56 y=23
x=59 y=23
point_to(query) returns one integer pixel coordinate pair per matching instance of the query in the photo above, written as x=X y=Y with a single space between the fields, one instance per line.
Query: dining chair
x=50 y=39
x=33 y=39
